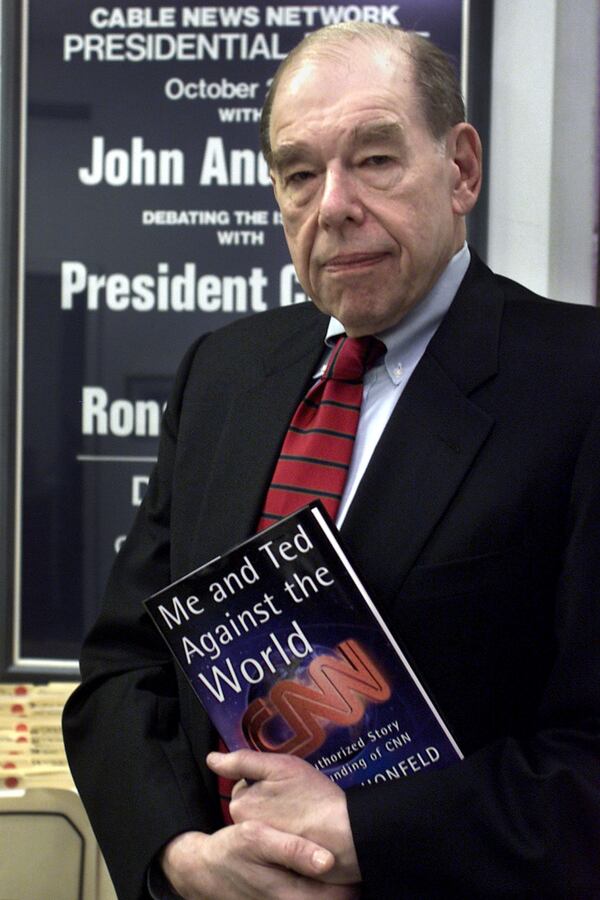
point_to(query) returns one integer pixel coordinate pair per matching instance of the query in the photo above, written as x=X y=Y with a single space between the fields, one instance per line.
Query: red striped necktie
x=316 y=452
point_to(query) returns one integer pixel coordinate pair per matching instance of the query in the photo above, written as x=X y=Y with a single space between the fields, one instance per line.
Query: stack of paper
x=32 y=753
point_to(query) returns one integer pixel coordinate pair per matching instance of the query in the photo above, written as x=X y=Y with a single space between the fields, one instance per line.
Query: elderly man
x=471 y=507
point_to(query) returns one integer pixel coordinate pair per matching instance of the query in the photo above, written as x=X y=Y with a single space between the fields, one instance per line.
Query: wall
x=542 y=167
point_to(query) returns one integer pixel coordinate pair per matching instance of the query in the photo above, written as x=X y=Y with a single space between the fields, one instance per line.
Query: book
x=287 y=652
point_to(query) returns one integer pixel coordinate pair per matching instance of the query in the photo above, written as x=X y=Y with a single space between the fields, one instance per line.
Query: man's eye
x=377 y=160
x=297 y=178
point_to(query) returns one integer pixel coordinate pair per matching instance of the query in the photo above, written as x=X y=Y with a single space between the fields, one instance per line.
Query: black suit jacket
x=477 y=530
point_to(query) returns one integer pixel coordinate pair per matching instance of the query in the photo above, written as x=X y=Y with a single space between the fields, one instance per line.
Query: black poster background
x=77 y=491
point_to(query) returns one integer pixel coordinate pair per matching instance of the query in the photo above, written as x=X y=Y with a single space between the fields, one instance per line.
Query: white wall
x=542 y=166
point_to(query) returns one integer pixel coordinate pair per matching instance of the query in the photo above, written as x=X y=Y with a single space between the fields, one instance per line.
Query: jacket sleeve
x=520 y=817
x=129 y=756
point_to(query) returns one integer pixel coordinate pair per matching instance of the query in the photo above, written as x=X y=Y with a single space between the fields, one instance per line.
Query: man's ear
x=464 y=150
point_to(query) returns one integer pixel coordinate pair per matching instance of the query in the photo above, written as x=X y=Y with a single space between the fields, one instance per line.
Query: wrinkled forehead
x=352 y=54
x=333 y=74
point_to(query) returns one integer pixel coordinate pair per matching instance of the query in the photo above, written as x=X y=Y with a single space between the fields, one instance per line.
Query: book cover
x=287 y=653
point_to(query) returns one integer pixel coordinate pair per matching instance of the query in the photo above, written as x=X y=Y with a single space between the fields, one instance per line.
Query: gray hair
x=435 y=78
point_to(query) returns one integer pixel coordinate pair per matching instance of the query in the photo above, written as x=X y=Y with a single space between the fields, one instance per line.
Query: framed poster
x=145 y=219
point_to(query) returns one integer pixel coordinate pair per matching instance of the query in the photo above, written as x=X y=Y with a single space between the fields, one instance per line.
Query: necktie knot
x=352 y=357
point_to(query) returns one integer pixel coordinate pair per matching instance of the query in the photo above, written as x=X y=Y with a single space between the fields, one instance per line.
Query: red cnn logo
x=343 y=684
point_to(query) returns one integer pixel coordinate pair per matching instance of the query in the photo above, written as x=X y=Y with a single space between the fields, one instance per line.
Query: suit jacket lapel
x=250 y=442
x=430 y=443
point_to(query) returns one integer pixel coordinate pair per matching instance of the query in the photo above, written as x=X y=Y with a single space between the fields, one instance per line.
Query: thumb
x=248 y=764
x=289 y=851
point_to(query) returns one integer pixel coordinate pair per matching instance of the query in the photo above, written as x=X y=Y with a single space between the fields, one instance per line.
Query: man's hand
x=290 y=795
x=250 y=861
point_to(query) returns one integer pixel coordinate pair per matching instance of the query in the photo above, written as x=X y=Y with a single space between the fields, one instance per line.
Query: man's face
x=365 y=192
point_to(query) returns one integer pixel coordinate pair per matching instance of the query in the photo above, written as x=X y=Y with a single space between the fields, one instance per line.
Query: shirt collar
x=407 y=340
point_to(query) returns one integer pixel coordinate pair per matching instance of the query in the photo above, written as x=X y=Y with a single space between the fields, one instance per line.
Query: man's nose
x=340 y=201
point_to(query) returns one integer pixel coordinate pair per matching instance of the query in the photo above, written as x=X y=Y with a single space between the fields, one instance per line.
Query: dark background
x=71 y=512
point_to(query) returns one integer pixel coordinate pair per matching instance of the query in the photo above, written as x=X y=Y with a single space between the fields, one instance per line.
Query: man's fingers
x=278 y=848
x=248 y=764
x=238 y=788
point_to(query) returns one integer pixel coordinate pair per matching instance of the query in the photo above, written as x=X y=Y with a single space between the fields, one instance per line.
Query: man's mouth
x=352 y=261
